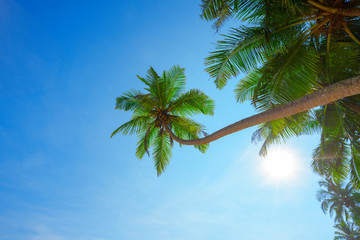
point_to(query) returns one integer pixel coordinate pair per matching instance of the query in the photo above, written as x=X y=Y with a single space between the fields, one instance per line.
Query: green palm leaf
x=176 y=79
x=145 y=140
x=186 y=128
x=162 y=151
x=134 y=126
x=279 y=131
x=192 y=102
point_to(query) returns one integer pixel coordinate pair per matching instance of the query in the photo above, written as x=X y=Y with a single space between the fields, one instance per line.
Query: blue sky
x=62 y=64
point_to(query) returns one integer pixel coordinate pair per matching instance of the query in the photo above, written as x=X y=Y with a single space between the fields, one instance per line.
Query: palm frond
x=279 y=131
x=176 y=82
x=134 y=126
x=240 y=51
x=133 y=100
x=186 y=128
x=246 y=47
x=146 y=141
x=192 y=102
x=218 y=10
x=161 y=152
x=156 y=87
x=245 y=89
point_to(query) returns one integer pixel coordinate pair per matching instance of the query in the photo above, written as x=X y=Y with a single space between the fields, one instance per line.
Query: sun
x=280 y=165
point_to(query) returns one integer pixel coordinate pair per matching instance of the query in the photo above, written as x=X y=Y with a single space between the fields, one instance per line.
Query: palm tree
x=347 y=231
x=133 y=100
x=340 y=201
x=291 y=49
x=277 y=95
x=162 y=114
x=164 y=103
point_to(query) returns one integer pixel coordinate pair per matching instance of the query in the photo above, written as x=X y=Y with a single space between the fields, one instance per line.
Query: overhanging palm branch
x=220 y=11
x=276 y=24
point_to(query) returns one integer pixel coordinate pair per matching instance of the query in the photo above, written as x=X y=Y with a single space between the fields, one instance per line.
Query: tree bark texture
x=345 y=88
x=349 y=12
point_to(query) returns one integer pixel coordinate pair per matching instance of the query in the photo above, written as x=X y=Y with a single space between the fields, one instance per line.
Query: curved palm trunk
x=324 y=96
x=350 y=12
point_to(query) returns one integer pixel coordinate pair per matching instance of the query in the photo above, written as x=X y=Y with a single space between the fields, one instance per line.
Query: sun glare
x=280 y=165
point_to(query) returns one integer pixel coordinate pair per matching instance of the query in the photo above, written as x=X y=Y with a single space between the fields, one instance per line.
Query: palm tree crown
x=341 y=201
x=164 y=103
x=347 y=231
